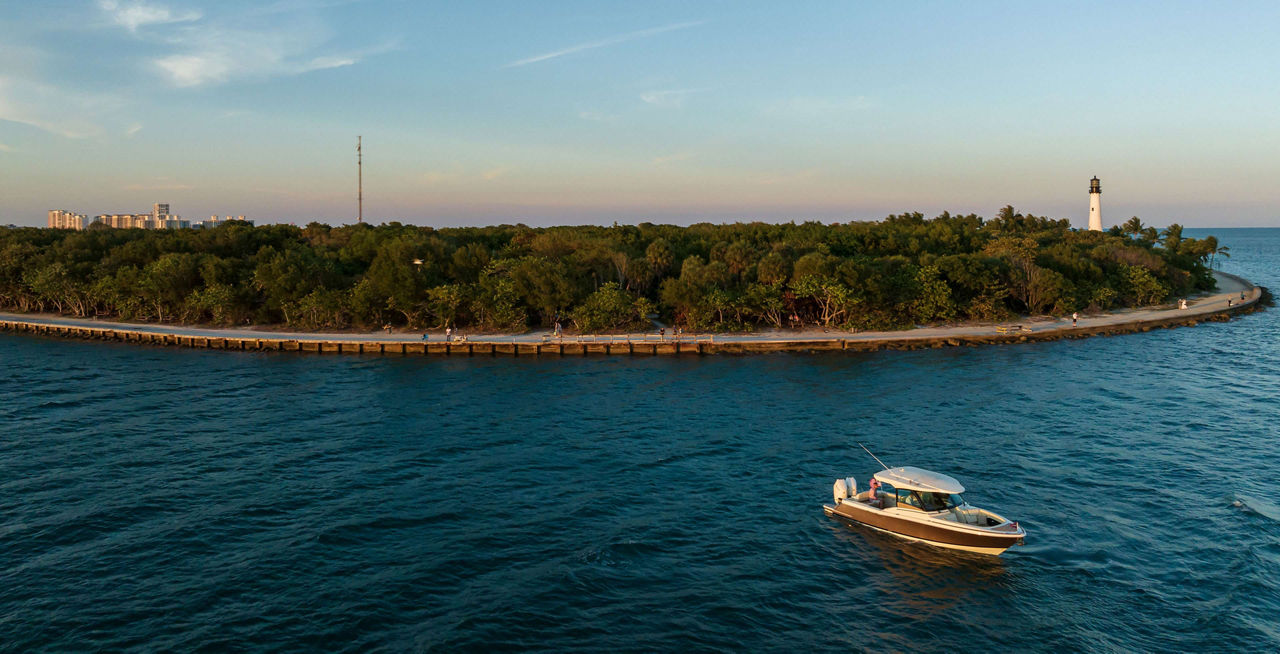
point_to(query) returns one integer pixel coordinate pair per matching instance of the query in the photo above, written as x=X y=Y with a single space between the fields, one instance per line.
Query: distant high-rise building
x=158 y=218
x=60 y=219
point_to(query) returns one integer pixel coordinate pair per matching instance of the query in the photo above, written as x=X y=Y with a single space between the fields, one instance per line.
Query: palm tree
x=1132 y=227
x=1172 y=238
x=1224 y=252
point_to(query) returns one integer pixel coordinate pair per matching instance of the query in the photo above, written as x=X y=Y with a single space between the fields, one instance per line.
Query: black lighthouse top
x=1095 y=186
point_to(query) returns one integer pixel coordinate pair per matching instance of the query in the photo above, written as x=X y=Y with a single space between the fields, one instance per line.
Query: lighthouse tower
x=1095 y=205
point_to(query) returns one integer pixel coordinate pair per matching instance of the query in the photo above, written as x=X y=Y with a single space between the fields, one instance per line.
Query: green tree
x=659 y=256
x=543 y=285
x=612 y=308
x=496 y=303
x=1141 y=287
x=934 y=300
x=166 y=282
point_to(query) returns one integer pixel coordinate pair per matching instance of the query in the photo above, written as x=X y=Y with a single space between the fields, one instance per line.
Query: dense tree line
x=904 y=270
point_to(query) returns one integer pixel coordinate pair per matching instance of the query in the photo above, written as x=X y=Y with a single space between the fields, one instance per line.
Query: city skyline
x=585 y=113
x=159 y=217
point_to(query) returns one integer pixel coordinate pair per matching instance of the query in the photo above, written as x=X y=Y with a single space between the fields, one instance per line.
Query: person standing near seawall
x=1074 y=317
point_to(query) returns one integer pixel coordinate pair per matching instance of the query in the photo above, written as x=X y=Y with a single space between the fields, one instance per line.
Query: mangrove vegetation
x=899 y=272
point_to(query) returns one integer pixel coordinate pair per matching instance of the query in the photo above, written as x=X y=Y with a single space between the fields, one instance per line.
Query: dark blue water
x=181 y=500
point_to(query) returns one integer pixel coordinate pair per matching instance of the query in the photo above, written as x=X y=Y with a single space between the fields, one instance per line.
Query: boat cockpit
x=947 y=506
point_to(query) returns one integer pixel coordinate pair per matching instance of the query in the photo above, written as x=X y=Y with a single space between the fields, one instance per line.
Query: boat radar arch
x=912 y=478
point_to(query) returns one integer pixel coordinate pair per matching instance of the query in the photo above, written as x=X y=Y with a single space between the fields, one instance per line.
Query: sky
x=563 y=112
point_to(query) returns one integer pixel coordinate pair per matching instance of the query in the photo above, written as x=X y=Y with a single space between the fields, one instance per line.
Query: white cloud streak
x=54 y=110
x=6 y=148
x=671 y=98
x=132 y=15
x=612 y=40
x=222 y=55
x=210 y=50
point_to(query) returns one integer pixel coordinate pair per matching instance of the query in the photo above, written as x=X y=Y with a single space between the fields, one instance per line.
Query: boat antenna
x=864 y=449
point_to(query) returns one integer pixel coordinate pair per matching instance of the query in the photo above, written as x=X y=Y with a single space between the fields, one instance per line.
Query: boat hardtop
x=919 y=479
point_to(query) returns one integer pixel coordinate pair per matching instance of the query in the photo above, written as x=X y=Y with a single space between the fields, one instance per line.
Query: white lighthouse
x=1095 y=205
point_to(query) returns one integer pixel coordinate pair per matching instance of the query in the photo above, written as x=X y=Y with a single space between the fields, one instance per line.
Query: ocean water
x=166 y=499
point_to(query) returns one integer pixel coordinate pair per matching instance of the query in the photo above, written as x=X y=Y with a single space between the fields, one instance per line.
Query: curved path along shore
x=1219 y=305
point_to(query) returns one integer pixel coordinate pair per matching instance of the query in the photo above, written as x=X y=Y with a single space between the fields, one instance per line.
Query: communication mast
x=359 y=181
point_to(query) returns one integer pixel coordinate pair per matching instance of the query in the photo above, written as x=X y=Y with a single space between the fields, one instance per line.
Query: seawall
x=1213 y=309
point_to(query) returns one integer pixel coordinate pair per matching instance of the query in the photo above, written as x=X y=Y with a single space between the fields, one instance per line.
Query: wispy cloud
x=670 y=98
x=57 y=111
x=132 y=15
x=612 y=40
x=220 y=56
x=133 y=129
x=220 y=62
x=679 y=156
x=212 y=50
x=6 y=148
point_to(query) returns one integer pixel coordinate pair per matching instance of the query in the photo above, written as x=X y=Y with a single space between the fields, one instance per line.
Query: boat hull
x=984 y=542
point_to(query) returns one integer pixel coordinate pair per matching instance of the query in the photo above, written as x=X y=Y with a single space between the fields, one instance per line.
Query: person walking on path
x=1075 y=316
x=448 y=334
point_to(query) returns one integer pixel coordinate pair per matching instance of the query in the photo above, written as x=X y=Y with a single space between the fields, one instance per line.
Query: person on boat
x=872 y=497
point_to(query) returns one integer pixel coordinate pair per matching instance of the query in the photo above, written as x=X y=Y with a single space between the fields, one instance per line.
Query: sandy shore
x=1226 y=299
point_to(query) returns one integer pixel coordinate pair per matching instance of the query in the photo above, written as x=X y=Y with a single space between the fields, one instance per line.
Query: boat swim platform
x=1211 y=309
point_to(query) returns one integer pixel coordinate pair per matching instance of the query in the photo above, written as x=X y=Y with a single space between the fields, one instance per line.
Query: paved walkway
x=1229 y=289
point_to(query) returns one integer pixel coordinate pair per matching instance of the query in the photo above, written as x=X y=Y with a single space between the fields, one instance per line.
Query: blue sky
x=573 y=112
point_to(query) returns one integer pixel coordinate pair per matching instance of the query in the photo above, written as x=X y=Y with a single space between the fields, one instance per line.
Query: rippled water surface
x=174 y=499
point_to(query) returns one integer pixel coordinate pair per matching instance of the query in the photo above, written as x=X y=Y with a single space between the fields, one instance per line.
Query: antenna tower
x=359 y=181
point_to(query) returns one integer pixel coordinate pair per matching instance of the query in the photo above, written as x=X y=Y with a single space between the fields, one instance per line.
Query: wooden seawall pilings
x=650 y=348
x=320 y=346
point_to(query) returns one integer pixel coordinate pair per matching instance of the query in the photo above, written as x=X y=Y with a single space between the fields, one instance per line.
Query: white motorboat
x=925 y=506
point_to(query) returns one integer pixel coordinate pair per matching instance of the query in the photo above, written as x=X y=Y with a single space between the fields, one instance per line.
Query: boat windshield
x=927 y=501
x=942 y=501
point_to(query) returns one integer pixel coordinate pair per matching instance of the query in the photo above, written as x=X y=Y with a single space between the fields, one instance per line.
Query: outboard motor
x=847 y=487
